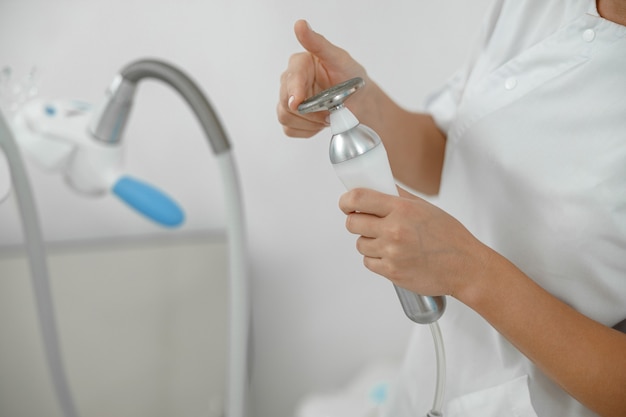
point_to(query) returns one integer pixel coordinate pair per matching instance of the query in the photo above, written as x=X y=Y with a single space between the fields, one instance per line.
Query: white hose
x=441 y=371
x=39 y=271
x=239 y=290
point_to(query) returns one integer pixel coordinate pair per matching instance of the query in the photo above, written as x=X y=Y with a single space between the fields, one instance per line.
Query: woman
x=526 y=150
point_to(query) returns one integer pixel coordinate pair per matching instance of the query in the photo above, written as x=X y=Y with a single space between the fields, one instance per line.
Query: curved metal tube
x=108 y=127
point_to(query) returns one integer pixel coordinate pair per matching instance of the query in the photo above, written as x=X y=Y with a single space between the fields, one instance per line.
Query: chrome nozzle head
x=332 y=98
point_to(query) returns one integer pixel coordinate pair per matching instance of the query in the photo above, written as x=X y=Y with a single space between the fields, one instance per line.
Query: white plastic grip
x=369 y=170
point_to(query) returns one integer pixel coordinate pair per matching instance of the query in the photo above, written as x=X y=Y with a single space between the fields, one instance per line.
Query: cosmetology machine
x=360 y=160
x=87 y=147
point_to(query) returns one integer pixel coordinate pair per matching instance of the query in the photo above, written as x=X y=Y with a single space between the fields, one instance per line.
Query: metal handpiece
x=360 y=160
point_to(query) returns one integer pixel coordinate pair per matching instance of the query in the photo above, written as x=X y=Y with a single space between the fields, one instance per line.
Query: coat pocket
x=510 y=399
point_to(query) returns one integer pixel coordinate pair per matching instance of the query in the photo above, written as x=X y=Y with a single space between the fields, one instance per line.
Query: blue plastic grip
x=149 y=201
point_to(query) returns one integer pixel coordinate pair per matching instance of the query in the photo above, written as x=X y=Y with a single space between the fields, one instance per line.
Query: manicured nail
x=291 y=99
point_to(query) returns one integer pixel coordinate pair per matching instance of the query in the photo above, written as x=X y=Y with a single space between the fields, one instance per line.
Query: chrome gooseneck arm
x=109 y=124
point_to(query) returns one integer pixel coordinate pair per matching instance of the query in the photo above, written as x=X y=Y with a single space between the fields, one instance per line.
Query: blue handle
x=149 y=201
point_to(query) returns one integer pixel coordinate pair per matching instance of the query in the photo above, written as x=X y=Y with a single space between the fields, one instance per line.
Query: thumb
x=316 y=44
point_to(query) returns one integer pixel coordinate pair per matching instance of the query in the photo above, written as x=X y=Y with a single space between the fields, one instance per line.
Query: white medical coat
x=535 y=167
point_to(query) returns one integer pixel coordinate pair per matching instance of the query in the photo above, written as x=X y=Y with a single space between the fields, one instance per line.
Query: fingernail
x=291 y=99
x=327 y=120
x=309 y=26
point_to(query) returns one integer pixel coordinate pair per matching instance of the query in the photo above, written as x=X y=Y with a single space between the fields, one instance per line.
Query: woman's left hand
x=413 y=243
x=423 y=249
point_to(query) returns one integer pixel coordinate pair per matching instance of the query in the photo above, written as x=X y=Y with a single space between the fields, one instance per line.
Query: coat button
x=589 y=35
x=510 y=83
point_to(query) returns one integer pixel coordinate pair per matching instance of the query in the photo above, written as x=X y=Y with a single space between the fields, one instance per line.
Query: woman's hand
x=319 y=68
x=425 y=250
x=413 y=243
x=414 y=143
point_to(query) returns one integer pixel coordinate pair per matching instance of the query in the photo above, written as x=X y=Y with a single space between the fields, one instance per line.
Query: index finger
x=297 y=80
x=364 y=200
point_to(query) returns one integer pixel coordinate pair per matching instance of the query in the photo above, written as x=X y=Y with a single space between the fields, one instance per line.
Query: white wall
x=318 y=315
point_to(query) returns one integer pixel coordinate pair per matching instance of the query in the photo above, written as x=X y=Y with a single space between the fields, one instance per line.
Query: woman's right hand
x=319 y=68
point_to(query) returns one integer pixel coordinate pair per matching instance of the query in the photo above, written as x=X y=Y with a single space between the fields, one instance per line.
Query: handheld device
x=360 y=161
